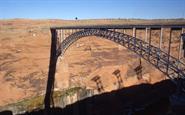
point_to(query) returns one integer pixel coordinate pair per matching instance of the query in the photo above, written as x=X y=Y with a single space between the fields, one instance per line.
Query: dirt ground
x=24 y=59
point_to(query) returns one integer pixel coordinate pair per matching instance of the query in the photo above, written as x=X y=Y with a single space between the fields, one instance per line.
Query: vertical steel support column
x=58 y=31
x=66 y=30
x=129 y=42
x=179 y=59
x=169 y=49
x=146 y=34
x=134 y=35
x=62 y=36
x=134 y=32
x=180 y=45
x=160 y=46
x=161 y=38
x=149 y=41
x=141 y=49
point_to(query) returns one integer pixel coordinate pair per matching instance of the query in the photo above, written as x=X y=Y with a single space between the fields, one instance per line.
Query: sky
x=92 y=9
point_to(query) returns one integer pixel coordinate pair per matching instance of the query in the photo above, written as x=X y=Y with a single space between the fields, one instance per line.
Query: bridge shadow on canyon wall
x=144 y=99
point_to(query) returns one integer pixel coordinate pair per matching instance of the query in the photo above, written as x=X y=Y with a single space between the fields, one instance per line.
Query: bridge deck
x=120 y=26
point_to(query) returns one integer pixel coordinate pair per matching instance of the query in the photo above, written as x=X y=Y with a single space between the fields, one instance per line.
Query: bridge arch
x=161 y=60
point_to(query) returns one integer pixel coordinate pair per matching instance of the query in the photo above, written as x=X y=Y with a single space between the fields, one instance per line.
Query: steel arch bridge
x=163 y=61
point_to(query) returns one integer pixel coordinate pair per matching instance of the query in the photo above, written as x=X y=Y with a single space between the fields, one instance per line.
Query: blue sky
x=88 y=9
